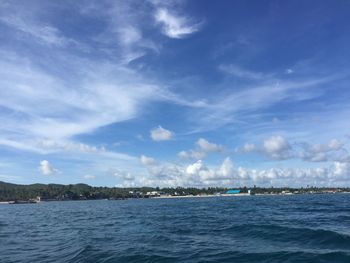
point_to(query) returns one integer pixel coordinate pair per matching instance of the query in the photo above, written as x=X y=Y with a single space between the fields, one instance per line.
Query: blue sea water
x=298 y=228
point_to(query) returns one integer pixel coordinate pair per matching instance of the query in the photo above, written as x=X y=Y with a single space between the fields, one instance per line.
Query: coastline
x=238 y=195
x=176 y=197
x=198 y=196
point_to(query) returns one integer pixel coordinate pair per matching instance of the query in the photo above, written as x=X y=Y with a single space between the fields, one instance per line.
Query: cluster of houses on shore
x=161 y=194
x=153 y=194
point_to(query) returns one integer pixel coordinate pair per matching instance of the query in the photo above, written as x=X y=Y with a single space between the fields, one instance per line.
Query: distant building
x=250 y=192
x=153 y=194
x=233 y=191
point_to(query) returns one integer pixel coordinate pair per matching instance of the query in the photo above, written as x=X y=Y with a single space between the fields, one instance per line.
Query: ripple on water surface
x=230 y=229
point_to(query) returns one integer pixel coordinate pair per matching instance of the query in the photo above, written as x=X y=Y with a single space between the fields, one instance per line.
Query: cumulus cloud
x=175 y=26
x=122 y=175
x=46 y=168
x=89 y=176
x=195 y=174
x=203 y=148
x=277 y=147
x=333 y=150
x=192 y=154
x=224 y=172
x=198 y=174
x=147 y=160
x=334 y=144
x=249 y=147
x=196 y=167
x=161 y=134
x=206 y=146
x=341 y=170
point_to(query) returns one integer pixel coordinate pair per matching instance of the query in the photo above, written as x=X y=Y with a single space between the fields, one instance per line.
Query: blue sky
x=175 y=93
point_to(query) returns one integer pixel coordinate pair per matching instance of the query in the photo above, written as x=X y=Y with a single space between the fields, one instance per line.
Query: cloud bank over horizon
x=174 y=93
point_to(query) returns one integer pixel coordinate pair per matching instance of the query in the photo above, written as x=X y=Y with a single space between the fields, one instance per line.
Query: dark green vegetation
x=85 y=192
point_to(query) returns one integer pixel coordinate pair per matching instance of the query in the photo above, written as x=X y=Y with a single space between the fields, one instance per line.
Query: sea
x=293 y=228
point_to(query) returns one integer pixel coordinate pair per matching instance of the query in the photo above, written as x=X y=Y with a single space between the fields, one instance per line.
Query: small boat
x=17 y=202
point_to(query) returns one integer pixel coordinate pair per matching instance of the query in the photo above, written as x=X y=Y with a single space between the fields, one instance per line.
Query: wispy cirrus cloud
x=50 y=108
x=71 y=88
x=25 y=22
x=175 y=26
x=44 y=34
x=240 y=72
x=239 y=103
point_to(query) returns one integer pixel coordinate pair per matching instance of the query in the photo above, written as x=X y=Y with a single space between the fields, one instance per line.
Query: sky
x=175 y=93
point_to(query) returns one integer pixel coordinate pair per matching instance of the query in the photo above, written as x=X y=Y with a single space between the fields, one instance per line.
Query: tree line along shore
x=58 y=192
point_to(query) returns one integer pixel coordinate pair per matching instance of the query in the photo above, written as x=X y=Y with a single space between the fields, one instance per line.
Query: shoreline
x=236 y=195
x=178 y=197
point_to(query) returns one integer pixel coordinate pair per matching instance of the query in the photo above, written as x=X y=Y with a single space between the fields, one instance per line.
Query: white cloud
x=277 y=147
x=192 y=154
x=249 y=147
x=67 y=146
x=198 y=174
x=148 y=161
x=6 y=177
x=129 y=35
x=140 y=137
x=341 y=170
x=202 y=175
x=226 y=175
x=342 y=157
x=245 y=102
x=161 y=134
x=175 y=26
x=50 y=109
x=316 y=157
x=226 y=168
x=196 y=167
x=203 y=148
x=208 y=147
x=240 y=72
x=333 y=150
x=89 y=176
x=124 y=28
x=184 y=155
x=334 y=144
x=123 y=176
x=44 y=34
x=48 y=105
x=46 y=168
